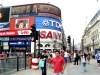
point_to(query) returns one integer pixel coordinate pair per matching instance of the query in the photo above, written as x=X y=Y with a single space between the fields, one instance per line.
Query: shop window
x=47 y=45
x=39 y=45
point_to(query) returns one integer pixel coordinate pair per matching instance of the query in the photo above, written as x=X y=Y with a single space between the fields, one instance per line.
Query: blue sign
x=19 y=43
x=22 y=38
x=4 y=38
x=4 y=18
x=48 y=23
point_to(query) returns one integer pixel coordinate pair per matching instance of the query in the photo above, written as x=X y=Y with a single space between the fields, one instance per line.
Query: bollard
x=17 y=63
x=35 y=62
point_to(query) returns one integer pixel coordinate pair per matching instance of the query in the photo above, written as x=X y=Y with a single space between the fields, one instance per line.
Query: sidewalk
x=71 y=69
x=92 y=69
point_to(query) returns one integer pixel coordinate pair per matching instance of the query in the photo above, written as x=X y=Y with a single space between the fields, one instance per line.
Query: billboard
x=48 y=23
x=4 y=18
x=22 y=23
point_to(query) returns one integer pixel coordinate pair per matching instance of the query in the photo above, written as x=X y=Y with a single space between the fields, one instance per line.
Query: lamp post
x=93 y=38
x=55 y=44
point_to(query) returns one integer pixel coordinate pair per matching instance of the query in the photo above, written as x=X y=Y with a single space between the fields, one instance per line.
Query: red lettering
x=42 y=34
x=60 y=36
x=55 y=35
x=24 y=32
x=49 y=35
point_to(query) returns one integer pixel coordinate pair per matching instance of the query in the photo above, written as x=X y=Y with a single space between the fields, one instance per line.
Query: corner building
x=47 y=18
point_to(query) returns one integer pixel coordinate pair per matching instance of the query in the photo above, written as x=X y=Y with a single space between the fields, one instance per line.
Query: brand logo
x=45 y=22
x=52 y=23
x=24 y=32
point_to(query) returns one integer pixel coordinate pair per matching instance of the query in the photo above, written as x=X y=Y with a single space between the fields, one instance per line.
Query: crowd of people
x=57 y=60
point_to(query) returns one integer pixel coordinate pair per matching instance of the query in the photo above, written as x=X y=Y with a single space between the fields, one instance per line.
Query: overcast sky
x=75 y=13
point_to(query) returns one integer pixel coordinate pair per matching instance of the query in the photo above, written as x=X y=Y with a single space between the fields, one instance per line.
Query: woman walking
x=83 y=58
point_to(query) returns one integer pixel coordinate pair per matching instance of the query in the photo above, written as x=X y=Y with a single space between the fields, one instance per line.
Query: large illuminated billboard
x=4 y=18
x=48 y=23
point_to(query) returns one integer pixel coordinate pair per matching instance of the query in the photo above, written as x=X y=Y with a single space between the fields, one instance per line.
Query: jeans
x=58 y=74
x=43 y=70
x=68 y=59
x=65 y=59
x=7 y=60
x=84 y=66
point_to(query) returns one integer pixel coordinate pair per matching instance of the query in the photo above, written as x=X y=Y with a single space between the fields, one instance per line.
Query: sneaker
x=84 y=70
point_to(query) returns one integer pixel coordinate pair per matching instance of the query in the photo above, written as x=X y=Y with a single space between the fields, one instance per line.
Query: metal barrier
x=12 y=64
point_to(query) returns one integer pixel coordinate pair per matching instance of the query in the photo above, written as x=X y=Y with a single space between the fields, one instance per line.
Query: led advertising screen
x=48 y=23
x=21 y=23
x=4 y=18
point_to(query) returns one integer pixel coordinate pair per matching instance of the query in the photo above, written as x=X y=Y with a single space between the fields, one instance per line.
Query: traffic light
x=69 y=40
x=34 y=33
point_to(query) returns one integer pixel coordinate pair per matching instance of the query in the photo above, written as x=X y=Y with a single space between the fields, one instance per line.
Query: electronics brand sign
x=48 y=23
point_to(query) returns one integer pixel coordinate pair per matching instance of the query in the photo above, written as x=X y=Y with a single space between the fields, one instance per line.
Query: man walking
x=59 y=64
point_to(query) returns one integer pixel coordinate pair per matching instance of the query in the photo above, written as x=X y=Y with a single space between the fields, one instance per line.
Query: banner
x=23 y=23
x=48 y=23
x=15 y=33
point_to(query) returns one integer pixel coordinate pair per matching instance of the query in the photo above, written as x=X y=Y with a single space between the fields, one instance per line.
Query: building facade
x=48 y=21
x=91 y=37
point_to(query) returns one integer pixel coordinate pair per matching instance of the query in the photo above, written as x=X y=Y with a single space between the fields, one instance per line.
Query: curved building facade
x=47 y=18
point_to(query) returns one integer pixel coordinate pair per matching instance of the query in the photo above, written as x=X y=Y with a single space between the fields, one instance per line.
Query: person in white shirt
x=66 y=57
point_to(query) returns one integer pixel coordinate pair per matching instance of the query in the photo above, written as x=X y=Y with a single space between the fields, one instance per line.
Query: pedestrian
x=98 y=59
x=83 y=59
x=76 y=58
x=30 y=60
x=44 y=57
x=7 y=58
x=88 y=57
x=59 y=63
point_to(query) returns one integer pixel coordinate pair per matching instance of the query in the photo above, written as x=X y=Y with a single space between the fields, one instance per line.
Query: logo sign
x=4 y=18
x=48 y=23
x=24 y=32
x=48 y=34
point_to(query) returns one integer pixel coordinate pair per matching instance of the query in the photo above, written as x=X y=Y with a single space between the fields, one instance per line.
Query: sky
x=76 y=14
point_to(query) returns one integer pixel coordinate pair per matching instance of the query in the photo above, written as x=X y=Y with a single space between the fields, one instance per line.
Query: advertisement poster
x=4 y=18
x=21 y=23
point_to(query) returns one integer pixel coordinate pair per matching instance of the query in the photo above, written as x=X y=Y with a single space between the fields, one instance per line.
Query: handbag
x=41 y=63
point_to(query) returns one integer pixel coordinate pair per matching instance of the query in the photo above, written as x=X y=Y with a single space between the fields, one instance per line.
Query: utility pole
x=39 y=42
x=73 y=45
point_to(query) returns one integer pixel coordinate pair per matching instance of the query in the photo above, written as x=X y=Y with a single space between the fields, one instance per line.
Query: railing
x=12 y=64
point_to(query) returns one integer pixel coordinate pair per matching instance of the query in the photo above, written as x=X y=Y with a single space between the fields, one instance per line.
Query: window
x=39 y=45
x=47 y=45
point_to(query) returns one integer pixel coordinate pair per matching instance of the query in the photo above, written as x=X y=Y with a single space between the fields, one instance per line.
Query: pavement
x=92 y=69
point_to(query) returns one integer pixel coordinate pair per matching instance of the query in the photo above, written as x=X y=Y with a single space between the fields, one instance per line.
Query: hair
x=21 y=21
x=57 y=51
x=44 y=51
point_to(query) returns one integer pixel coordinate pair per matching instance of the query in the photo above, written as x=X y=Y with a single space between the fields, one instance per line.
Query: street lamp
x=93 y=38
